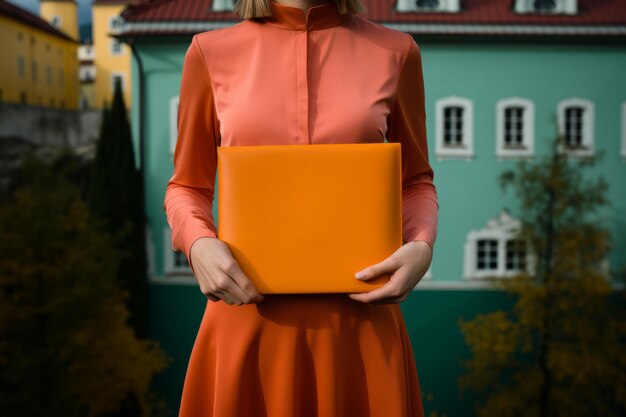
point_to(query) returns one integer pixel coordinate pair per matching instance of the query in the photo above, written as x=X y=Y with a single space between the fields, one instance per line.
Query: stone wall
x=48 y=126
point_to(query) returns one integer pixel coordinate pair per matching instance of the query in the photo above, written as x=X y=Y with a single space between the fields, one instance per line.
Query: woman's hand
x=219 y=275
x=408 y=265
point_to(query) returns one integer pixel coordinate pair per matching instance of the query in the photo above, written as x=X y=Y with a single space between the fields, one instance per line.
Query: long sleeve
x=189 y=195
x=407 y=125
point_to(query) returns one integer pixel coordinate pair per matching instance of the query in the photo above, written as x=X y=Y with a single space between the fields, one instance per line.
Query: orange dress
x=296 y=78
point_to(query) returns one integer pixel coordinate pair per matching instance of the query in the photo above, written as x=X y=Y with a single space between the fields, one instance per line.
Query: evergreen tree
x=561 y=351
x=117 y=196
x=65 y=346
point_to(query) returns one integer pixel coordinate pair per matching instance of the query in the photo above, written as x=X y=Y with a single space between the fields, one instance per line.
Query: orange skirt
x=302 y=355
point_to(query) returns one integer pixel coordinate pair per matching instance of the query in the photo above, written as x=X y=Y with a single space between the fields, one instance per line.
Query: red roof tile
x=601 y=12
x=591 y=12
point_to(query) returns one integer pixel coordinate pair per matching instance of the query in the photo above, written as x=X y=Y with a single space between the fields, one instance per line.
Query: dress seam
x=196 y=42
x=404 y=58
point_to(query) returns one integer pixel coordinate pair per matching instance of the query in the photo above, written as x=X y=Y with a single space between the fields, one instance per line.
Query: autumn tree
x=65 y=347
x=561 y=349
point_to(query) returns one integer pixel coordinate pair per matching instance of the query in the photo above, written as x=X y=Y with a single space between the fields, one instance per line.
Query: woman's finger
x=373 y=271
x=235 y=292
x=244 y=283
x=392 y=289
x=226 y=297
x=377 y=295
x=212 y=297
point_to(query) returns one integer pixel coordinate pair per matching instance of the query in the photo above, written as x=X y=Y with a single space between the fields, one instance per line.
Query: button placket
x=302 y=68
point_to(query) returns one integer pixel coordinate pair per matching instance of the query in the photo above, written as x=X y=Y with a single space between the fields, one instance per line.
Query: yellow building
x=113 y=58
x=40 y=63
x=62 y=14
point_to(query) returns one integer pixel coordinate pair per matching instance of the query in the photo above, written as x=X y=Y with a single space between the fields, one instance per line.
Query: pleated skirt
x=302 y=355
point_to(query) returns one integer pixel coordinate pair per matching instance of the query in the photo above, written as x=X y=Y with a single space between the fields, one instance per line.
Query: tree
x=116 y=195
x=65 y=347
x=561 y=351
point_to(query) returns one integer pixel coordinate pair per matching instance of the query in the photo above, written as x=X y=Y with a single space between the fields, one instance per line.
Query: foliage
x=561 y=351
x=65 y=347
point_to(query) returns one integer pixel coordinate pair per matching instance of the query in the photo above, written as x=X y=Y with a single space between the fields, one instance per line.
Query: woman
x=298 y=72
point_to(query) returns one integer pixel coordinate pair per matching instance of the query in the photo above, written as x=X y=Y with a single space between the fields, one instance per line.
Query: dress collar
x=320 y=16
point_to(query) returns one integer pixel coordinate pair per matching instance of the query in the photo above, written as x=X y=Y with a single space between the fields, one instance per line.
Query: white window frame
x=588 y=126
x=56 y=21
x=449 y=6
x=624 y=130
x=561 y=7
x=467 y=152
x=502 y=229
x=115 y=43
x=222 y=5
x=112 y=81
x=169 y=256
x=528 y=138
x=173 y=123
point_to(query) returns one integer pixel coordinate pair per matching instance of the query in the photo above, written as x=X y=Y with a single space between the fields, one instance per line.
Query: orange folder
x=306 y=218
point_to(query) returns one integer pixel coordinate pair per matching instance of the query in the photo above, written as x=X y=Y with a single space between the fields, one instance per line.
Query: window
x=223 y=5
x=61 y=78
x=497 y=250
x=515 y=126
x=116 y=23
x=116 y=47
x=175 y=261
x=487 y=254
x=575 y=121
x=115 y=77
x=87 y=74
x=55 y=21
x=21 y=66
x=515 y=255
x=454 y=128
x=624 y=130
x=173 y=123
x=48 y=74
x=450 y=6
x=34 y=70
x=546 y=6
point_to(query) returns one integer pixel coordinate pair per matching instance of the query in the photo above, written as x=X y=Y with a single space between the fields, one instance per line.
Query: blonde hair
x=253 y=9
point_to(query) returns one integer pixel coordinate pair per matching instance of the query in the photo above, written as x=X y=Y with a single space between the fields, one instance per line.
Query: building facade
x=62 y=14
x=39 y=65
x=113 y=60
x=501 y=78
x=87 y=75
